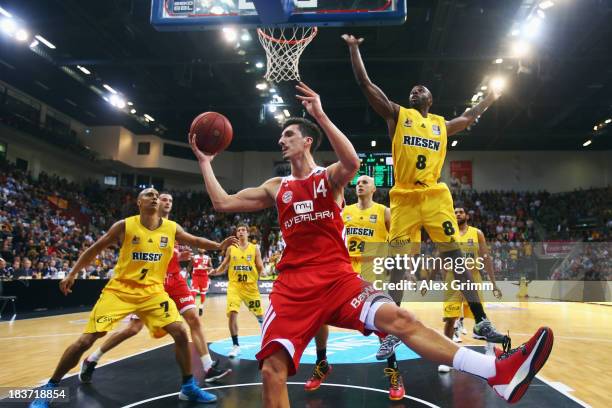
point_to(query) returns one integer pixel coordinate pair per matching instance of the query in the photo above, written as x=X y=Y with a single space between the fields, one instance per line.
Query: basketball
x=213 y=132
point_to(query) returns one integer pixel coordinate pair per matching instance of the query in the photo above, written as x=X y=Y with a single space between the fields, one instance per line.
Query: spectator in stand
x=4 y=271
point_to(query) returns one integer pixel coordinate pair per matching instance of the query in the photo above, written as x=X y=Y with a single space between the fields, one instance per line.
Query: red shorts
x=300 y=304
x=200 y=283
x=176 y=286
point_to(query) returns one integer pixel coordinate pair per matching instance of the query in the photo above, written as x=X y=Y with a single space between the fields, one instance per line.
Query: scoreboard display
x=379 y=166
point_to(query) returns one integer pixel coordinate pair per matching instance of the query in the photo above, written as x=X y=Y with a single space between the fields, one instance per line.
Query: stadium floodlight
x=273 y=90
x=520 y=49
x=259 y=65
x=5 y=13
x=546 y=4
x=132 y=111
x=130 y=103
x=149 y=118
x=498 y=84
x=262 y=86
x=587 y=143
x=373 y=143
x=45 y=41
x=532 y=27
x=22 y=35
x=84 y=70
x=117 y=101
x=475 y=98
x=8 y=26
x=595 y=127
x=230 y=34
x=484 y=88
x=109 y=89
x=245 y=36
x=498 y=60
x=454 y=143
x=34 y=44
x=607 y=121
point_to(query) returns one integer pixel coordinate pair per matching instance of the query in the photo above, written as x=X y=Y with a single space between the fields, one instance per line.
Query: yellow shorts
x=155 y=310
x=428 y=207
x=238 y=292
x=454 y=300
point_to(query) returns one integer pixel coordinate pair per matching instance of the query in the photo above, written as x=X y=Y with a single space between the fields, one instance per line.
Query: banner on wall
x=220 y=286
x=461 y=174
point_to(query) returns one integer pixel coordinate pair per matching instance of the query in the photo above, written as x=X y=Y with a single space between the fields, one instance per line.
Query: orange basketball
x=213 y=132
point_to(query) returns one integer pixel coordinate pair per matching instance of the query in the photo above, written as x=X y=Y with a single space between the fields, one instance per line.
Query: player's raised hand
x=351 y=40
x=66 y=284
x=310 y=100
x=228 y=242
x=200 y=155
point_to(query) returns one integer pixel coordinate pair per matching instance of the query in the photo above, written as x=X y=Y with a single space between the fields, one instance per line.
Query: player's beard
x=461 y=223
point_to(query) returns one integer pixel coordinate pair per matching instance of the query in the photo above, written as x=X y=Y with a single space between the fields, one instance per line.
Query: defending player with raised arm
x=317 y=284
x=146 y=247
x=418 y=199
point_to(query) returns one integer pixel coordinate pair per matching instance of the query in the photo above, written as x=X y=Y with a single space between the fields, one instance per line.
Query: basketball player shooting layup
x=147 y=244
x=317 y=284
x=417 y=199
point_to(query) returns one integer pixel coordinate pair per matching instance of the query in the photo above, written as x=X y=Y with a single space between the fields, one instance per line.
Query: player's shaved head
x=146 y=191
x=148 y=200
x=421 y=98
x=365 y=186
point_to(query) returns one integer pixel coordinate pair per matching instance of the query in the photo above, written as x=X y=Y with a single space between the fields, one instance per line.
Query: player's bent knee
x=178 y=332
x=87 y=340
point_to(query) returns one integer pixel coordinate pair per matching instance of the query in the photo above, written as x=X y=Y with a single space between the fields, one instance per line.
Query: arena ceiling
x=554 y=98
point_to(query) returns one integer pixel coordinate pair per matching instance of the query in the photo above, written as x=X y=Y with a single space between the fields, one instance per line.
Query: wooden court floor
x=580 y=363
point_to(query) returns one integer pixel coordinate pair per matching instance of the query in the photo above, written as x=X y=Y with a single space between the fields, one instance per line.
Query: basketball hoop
x=284 y=46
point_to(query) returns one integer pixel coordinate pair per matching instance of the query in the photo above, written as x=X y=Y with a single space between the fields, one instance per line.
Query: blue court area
x=342 y=348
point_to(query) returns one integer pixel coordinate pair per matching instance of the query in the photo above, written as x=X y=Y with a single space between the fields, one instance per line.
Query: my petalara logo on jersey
x=287 y=197
x=302 y=207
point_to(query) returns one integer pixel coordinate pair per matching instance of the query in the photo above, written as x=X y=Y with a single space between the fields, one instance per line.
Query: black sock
x=399 y=304
x=477 y=311
x=392 y=362
x=321 y=355
x=187 y=378
x=235 y=340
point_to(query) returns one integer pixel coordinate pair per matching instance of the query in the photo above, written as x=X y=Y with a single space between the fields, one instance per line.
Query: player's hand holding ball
x=310 y=100
x=210 y=133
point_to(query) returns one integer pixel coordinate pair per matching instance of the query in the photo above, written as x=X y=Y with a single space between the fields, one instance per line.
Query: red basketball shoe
x=396 y=384
x=319 y=373
x=517 y=367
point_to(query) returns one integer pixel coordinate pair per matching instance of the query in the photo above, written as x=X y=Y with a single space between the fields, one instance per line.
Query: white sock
x=206 y=362
x=474 y=363
x=95 y=356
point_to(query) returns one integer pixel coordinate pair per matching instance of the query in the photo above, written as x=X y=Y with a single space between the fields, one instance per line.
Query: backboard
x=186 y=15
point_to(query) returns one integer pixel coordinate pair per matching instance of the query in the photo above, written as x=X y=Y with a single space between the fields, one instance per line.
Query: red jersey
x=201 y=265
x=173 y=266
x=311 y=224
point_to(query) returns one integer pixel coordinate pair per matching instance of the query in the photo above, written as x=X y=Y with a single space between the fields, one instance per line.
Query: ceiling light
x=588 y=142
x=595 y=127
x=261 y=86
x=373 y=143
x=607 y=121
x=498 y=84
x=272 y=108
x=273 y=90
x=8 y=26
x=5 y=13
x=454 y=143
x=520 y=49
x=109 y=89
x=131 y=103
x=149 y=118
x=484 y=88
x=279 y=117
x=132 y=111
x=532 y=27
x=479 y=94
x=286 y=113
x=45 y=41
x=117 y=101
x=475 y=98
x=230 y=34
x=499 y=60
x=259 y=64
x=34 y=44
x=84 y=70
x=22 y=35
x=245 y=36
x=546 y=4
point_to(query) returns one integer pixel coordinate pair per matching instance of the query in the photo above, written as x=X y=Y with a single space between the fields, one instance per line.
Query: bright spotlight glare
x=132 y=111
x=286 y=113
x=273 y=90
x=8 y=26
x=216 y=10
x=117 y=101
x=259 y=65
x=499 y=60
x=608 y=121
x=245 y=36
x=34 y=44
x=546 y=4
x=261 y=86
x=373 y=143
x=532 y=27
x=454 y=143
x=5 y=13
x=230 y=34
x=588 y=142
x=498 y=84
x=22 y=35
x=484 y=88
x=520 y=49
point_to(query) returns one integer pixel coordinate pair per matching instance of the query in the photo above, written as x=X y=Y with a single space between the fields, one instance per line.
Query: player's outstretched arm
x=247 y=200
x=199 y=242
x=483 y=250
x=469 y=116
x=224 y=265
x=341 y=172
x=376 y=97
x=113 y=235
x=259 y=262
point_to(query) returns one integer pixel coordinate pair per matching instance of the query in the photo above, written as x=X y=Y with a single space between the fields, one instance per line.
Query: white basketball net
x=284 y=46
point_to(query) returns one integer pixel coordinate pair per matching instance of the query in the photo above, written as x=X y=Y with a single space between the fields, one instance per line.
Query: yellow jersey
x=363 y=226
x=143 y=257
x=468 y=243
x=242 y=266
x=418 y=149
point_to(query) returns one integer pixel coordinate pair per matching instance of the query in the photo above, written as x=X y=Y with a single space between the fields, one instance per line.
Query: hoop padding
x=284 y=46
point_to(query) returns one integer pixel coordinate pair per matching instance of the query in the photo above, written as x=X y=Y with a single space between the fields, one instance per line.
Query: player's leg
x=321 y=369
x=88 y=365
x=274 y=373
x=441 y=224
x=232 y=308
x=73 y=353
x=249 y=294
x=509 y=374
